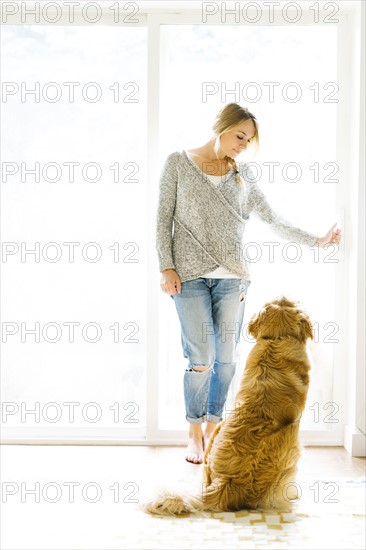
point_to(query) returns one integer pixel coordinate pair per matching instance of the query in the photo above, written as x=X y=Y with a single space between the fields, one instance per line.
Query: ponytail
x=234 y=164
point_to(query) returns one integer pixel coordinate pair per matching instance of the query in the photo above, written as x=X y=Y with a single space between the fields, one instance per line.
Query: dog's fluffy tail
x=173 y=504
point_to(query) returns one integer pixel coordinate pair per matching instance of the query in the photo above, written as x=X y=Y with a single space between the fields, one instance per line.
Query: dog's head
x=281 y=318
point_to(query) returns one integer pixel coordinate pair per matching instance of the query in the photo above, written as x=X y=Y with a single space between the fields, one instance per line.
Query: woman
x=209 y=197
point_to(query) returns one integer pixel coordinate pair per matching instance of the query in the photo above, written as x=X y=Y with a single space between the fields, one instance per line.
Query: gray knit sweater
x=200 y=226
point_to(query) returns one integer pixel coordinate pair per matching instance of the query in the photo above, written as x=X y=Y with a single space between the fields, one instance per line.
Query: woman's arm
x=165 y=212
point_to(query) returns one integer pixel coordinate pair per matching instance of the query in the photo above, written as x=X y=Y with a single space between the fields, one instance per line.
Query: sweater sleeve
x=284 y=228
x=165 y=212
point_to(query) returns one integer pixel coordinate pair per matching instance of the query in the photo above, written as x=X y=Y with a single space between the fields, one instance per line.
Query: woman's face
x=235 y=141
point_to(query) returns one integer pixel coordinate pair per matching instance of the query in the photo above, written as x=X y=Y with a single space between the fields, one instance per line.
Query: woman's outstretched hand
x=170 y=281
x=333 y=236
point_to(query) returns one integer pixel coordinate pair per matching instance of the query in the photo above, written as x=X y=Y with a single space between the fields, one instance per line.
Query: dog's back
x=253 y=457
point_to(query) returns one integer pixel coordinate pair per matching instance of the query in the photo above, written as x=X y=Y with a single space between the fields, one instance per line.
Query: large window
x=90 y=344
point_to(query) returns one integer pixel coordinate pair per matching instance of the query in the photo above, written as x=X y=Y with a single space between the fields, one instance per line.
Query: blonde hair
x=230 y=116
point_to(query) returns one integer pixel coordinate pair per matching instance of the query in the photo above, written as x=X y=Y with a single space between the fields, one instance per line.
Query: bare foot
x=194 y=452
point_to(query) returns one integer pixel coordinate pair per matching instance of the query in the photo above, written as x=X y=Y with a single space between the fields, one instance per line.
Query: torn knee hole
x=200 y=368
x=241 y=297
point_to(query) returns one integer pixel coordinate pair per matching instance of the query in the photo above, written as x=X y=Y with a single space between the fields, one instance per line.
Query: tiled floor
x=101 y=511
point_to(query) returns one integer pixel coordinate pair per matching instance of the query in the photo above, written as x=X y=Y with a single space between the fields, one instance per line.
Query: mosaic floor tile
x=320 y=525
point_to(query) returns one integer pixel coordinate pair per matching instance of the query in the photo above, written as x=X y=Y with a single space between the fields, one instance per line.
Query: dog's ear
x=284 y=302
x=253 y=325
x=306 y=330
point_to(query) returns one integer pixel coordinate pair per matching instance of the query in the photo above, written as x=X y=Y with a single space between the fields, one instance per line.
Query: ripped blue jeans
x=211 y=313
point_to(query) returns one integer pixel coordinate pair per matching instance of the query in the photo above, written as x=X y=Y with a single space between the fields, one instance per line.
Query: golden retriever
x=251 y=458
